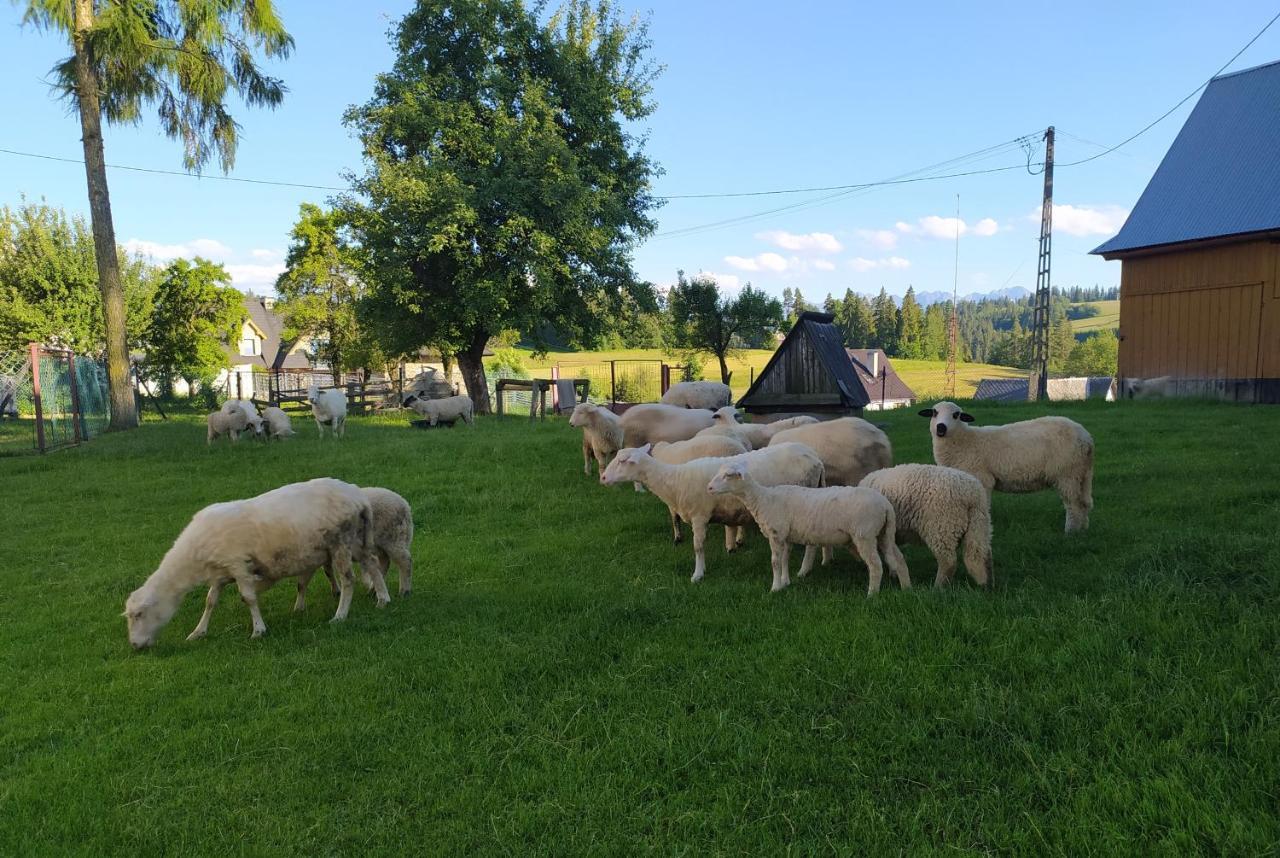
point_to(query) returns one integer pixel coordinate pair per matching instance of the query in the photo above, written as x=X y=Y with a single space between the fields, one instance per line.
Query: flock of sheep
x=820 y=484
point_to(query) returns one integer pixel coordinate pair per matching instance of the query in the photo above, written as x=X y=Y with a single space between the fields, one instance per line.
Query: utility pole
x=1038 y=385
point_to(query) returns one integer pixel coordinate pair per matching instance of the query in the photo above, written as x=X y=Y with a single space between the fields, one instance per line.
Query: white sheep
x=654 y=422
x=684 y=487
x=329 y=408
x=754 y=435
x=1044 y=453
x=830 y=516
x=1160 y=387
x=392 y=541
x=601 y=434
x=698 y=447
x=250 y=412
x=276 y=423
x=940 y=507
x=698 y=394
x=448 y=409
x=224 y=423
x=850 y=447
x=255 y=543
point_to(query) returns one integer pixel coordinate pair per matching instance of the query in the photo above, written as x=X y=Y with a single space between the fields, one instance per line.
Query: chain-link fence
x=625 y=382
x=50 y=399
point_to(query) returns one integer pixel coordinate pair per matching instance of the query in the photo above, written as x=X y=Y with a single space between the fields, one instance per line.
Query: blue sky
x=755 y=96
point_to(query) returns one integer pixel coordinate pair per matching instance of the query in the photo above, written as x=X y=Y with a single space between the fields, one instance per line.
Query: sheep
x=684 y=487
x=850 y=447
x=940 y=507
x=698 y=447
x=250 y=411
x=329 y=407
x=1047 y=452
x=601 y=434
x=654 y=422
x=754 y=435
x=392 y=541
x=447 y=409
x=223 y=423
x=276 y=423
x=255 y=543
x=698 y=394
x=1151 y=388
x=860 y=518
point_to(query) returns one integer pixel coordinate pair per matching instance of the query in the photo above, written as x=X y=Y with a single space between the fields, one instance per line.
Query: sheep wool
x=698 y=447
x=226 y=423
x=329 y=408
x=850 y=447
x=698 y=394
x=601 y=434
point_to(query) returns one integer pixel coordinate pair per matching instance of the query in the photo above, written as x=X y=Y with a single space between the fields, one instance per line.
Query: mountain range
x=1013 y=293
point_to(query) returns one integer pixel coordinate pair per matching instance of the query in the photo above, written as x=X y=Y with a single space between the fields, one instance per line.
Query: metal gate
x=619 y=382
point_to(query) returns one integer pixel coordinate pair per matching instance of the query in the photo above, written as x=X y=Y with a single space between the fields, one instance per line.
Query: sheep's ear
x=965 y=418
x=646 y=449
x=928 y=412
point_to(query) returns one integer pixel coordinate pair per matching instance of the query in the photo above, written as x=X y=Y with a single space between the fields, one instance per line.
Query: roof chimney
x=269 y=303
x=874 y=361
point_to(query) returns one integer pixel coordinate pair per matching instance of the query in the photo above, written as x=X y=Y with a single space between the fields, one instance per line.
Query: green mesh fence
x=65 y=381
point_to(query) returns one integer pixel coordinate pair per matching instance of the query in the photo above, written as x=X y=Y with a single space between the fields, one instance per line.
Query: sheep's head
x=146 y=616
x=945 y=417
x=729 y=480
x=625 y=467
x=726 y=416
x=313 y=394
x=582 y=414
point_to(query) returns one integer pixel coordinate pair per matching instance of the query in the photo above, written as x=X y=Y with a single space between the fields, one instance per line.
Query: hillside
x=1108 y=319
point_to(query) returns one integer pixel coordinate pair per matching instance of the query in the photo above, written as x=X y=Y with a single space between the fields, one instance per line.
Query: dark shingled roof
x=1221 y=176
x=823 y=338
x=893 y=388
x=274 y=348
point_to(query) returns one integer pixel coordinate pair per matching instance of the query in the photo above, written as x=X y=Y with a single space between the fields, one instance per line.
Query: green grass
x=556 y=685
x=1108 y=319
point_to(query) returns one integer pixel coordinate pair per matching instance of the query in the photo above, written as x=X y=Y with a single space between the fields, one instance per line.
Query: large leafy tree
x=704 y=320
x=183 y=56
x=503 y=186
x=1096 y=355
x=49 y=282
x=197 y=312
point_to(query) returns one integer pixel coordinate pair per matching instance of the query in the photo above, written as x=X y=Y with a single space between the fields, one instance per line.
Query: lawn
x=555 y=685
x=1107 y=320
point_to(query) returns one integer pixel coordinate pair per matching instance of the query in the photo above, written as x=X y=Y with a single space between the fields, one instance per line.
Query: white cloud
x=206 y=247
x=886 y=239
x=760 y=262
x=985 y=227
x=824 y=265
x=863 y=264
x=258 y=276
x=903 y=226
x=933 y=226
x=1085 y=220
x=258 y=279
x=267 y=254
x=813 y=242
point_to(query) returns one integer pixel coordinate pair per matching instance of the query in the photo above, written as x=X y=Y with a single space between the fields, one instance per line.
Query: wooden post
x=666 y=379
x=35 y=395
x=884 y=381
x=76 y=414
x=555 y=389
x=613 y=384
x=498 y=389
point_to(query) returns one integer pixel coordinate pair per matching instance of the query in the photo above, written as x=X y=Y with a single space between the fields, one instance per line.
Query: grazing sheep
x=250 y=412
x=698 y=394
x=940 y=507
x=255 y=543
x=276 y=423
x=850 y=447
x=222 y=423
x=830 y=516
x=329 y=407
x=601 y=434
x=448 y=409
x=1044 y=453
x=684 y=487
x=1161 y=387
x=654 y=422
x=754 y=435
x=392 y=541
x=698 y=447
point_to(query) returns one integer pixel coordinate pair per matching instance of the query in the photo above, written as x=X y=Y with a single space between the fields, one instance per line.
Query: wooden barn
x=1200 y=252
x=810 y=373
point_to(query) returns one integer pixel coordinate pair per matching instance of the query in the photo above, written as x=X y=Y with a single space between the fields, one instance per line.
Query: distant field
x=926 y=377
x=1108 y=319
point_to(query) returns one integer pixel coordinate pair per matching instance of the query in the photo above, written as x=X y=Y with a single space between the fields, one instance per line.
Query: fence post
x=76 y=414
x=35 y=395
x=666 y=379
x=613 y=384
x=751 y=376
x=555 y=392
x=884 y=381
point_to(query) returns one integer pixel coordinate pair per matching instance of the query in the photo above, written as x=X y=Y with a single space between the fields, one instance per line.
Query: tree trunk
x=124 y=411
x=724 y=368
x=471 y=363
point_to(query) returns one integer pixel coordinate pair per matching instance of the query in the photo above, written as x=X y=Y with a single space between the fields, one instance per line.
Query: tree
x=857 y=324
x=181 y=55
x=1096 y=355
x=1061 y=343
x=197 y=311
x=503 y=187
x=49 y=282
x=319 y=291
x=885 y=312
x=910 y=328
x=936 y=339
x=703 y=320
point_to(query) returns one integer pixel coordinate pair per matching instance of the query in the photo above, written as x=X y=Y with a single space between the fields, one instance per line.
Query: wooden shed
x=1200 y=252
x=810 y=373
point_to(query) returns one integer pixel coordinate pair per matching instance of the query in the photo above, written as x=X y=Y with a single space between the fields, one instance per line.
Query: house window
x=249 y=346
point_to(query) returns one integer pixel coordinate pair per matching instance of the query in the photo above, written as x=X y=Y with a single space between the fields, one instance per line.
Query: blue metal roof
x=1221 y=176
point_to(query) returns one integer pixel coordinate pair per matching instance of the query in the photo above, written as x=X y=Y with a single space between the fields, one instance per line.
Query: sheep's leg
x=341 y=427
x=375 y=576
x=828 y=554
x=586 y=457
x=248 y=587
x=404 y=562
x=730 y=538
x=639 y=487
x=1076 y=501
x=977 y=559
x=895 y=561
x=677 y=535
x=333 y=581
x=780 y=554
x=742 y=535
x=806 y=565
x=945 y=554
x=340 y=563
x=300 y=603
x=210 y=600
x=699 y=526
x=865 y=548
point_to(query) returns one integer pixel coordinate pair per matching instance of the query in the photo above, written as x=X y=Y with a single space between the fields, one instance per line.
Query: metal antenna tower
x=1039 y=382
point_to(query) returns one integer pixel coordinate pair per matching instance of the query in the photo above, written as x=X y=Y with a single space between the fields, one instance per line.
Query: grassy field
x=1108 y=319
x=555 y=685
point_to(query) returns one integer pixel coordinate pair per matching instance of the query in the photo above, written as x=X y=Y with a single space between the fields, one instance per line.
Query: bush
x=507 y=362
x=692 y=368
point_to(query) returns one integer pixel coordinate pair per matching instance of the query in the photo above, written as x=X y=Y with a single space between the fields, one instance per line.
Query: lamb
x=392 y=540
x=255 y=543
x=698 y=394
x=223 y=423
x=654 y=422
x=329 y=407
x=940 y=507
x=250 y=411
x=276 y=423
x=601 y=435
x=448 y=409
x=754 y=435
x=684 y=487
x=698 y=447
x=850 y=447
x=860 y=518
x=1047 y=452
